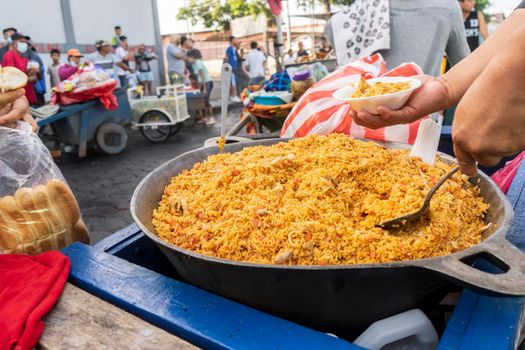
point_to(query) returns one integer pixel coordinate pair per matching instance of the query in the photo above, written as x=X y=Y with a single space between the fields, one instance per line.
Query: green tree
x=327 y=4
x=218 y=14
x=482 y=4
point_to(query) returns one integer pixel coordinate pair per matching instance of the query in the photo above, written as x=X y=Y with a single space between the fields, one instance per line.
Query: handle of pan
x=499 y=252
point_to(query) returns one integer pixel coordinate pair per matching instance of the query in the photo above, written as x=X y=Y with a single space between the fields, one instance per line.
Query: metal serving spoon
x=403 y=220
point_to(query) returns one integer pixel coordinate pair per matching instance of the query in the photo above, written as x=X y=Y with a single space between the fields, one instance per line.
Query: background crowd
x=185 y=64
x=128 y=66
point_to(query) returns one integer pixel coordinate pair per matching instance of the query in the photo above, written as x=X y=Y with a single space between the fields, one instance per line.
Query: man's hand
x=490 y=119
x=28 y=118
x=431 y=97
x=13 y=107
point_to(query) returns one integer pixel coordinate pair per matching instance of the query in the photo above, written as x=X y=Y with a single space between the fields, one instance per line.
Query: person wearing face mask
x=73 y=62
x=14 y=58
x=39 y=85
x=7 y=32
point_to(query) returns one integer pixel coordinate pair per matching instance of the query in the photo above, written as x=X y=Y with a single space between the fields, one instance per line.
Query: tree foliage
x=482 y=4
x=218 y=14
x=326 y=3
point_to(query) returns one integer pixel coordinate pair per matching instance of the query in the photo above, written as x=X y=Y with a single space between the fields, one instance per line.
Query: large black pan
x=338 y=299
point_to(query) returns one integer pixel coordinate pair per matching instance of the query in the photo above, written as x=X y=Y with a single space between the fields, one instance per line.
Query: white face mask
x=22 y=47
x=73 y=64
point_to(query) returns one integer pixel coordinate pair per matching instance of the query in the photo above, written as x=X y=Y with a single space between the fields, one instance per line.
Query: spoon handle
x=433 y=190
x=401 y=220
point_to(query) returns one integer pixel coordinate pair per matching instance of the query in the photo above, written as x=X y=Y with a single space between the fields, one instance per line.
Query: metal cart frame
x=158 y=117
x=164 y=93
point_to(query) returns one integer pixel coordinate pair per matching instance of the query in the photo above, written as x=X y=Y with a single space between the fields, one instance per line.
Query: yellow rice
x=380 y=88
x=316 y=201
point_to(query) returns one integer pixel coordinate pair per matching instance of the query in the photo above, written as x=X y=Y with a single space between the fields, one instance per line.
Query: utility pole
x=187 y=22
x=158 y=44
x=279 y=44
x=288 y=27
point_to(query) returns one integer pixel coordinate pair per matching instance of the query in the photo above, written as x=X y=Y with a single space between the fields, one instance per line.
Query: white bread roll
x=12 y=78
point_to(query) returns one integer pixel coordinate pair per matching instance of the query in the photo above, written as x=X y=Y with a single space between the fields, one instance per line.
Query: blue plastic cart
x=89 y=124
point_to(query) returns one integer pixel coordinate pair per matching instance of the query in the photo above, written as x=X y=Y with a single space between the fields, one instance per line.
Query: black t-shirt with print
x=142 y=62
x=472 y=30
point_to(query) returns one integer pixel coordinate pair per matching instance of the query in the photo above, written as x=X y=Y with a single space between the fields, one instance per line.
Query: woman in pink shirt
x=70 y=68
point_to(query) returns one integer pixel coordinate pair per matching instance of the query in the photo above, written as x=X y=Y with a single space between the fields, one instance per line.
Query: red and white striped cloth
x=317 y=112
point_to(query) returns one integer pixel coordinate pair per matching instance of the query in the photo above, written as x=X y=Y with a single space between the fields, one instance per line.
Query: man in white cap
x=104 y=59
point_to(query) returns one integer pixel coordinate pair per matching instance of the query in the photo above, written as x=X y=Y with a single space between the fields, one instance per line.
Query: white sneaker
x=235 y=99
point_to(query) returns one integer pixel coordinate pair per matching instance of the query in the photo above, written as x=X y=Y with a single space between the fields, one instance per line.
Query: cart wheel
x=175 y=128
x=111 y=138
x=155 y=133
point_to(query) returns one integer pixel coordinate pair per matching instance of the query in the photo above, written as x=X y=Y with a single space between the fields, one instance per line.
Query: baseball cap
x=101 y=43
x=18 y=36
x=9 y=29
x=74 y=52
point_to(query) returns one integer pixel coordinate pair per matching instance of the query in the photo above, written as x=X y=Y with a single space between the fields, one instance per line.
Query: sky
x=505 y=6
x=169 y=8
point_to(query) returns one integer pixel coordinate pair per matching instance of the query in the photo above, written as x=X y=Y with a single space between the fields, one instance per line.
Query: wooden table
x=83 y=321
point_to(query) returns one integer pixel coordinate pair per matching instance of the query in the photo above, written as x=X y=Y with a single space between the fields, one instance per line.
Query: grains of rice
x=316 y=201
x=380 y=88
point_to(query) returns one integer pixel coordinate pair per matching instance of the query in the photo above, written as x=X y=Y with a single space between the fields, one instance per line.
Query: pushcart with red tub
x=90 y=124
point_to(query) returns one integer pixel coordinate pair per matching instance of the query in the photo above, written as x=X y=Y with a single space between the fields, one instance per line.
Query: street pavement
x=103 y=184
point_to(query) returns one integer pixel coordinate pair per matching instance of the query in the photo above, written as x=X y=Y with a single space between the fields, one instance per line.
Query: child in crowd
x=206 y=84
x=52 y=69
x=115 y=41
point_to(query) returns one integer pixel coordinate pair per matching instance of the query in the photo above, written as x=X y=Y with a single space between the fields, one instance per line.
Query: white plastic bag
x=38 y=211
x=24 y=160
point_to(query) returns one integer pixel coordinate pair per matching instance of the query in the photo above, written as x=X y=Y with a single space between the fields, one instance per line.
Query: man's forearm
x=123 y=66
x=506 y=70
x=201 y=74
x=462 y=75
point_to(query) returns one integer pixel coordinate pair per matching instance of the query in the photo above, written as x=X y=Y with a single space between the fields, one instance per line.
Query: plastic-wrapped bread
x=39 y=219
x=53 y=217
x=65 y=204
x=38 y=211
x=16 y=220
